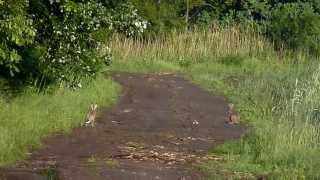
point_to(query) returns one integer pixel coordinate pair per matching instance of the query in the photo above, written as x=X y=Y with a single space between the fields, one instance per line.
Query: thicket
x=60 y=41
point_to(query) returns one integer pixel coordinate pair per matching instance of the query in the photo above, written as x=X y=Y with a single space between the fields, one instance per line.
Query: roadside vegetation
x=262 y=55
x=52 y=66
x=27 y=119
x=276 y=93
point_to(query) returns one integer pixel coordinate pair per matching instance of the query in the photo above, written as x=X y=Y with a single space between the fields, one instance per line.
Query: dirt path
x=160 y=126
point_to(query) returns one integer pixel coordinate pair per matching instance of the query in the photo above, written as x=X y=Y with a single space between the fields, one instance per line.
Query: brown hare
x=91 y=115
x=233 y=117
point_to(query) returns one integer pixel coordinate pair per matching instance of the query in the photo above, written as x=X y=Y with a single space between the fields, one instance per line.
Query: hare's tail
x=85 y=120
x=88 y=122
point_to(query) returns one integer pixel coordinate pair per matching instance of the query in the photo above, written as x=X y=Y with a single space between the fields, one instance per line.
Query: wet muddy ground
x=161 y=126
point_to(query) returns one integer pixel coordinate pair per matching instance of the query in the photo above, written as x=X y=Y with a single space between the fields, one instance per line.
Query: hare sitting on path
x=91 y=115
x=233 y=117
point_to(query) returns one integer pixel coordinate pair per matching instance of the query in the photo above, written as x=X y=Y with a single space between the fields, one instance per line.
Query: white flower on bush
x=108 y=49
x=137 y=24
x=58 y=32
x=127 y=20
x=73 y=50
x=145 y=24
x=72 y=38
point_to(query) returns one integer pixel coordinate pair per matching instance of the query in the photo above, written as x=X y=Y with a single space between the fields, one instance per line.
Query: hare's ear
x=92 y=107
x=230 y=106
x=95 y=106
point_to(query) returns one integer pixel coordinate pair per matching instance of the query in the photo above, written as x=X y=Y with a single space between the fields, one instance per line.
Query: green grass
x=280 y=105
x=276 y=93
x=279 y=102
x=144 y=66
x=30 y=117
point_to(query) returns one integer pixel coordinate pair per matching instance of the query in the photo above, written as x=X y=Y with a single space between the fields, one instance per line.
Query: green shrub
x=60 y=41
x=69 y=50
x=16 y=31
x=296 y=25
x=164 y=16
x=125 y=19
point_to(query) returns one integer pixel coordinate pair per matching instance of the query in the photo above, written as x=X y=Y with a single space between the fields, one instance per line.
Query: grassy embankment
x=276 y=93
x=30 y=117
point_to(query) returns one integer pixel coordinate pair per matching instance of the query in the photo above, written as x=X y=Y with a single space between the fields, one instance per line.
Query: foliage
x=60 y=41
x=125 y=19
x=16 y=30
x=163 y=15
x=166 y=15
x=297 y=25
x=67 y=39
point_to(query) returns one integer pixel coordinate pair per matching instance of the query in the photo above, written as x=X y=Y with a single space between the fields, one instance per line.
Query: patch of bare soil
x=161 y=125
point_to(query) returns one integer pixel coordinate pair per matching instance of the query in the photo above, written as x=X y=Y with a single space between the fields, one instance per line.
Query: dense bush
x=66 y=39
x=296 y=25
x=60 y=40
x=163 y=15
x=125 y=19
x=16 y=30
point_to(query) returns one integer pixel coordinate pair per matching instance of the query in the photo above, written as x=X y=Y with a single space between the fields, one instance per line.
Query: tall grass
x=195 y=46
x=30 y=117
x=276 y=92
x=283 y=141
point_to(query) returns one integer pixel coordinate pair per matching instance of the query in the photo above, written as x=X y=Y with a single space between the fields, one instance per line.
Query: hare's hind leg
x=93 y=123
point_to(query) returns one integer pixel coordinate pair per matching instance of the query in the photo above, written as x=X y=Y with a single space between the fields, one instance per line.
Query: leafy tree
x=297 y=25
x=60 y=41
x=190 y=5
x=163 y=15
x=16 y=31
x=125 y=19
